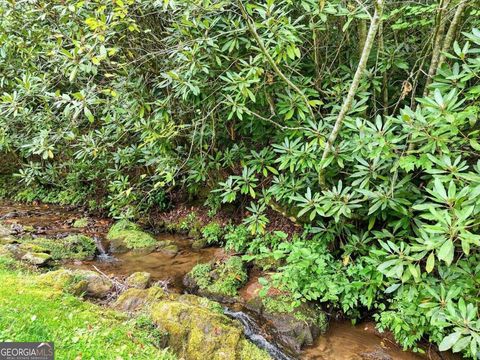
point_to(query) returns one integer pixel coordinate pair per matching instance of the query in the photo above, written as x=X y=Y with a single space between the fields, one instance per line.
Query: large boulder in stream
x=79 y=282
x=295 y=326
x=125 y=236
x=218 y=281
x=197 y=327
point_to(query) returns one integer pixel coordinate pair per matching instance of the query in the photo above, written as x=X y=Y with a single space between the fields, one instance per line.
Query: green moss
x=283 y=304
x=230 y=276
x=120 y=226
x=80 y=223
x=33 y=248
x=59 y=279
x=226 y=279
x=201 y=274
x=157 y=336
x=134 y=299
x=72 y=247
x=34 y=311
x=196 y=332
x=201 y=302
x=139 y=280
x=125 y=235
x=248 y=351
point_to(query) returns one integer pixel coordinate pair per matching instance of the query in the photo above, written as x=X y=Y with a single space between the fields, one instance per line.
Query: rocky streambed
x=203 y=302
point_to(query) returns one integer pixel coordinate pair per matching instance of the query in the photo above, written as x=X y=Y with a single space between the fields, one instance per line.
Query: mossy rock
x=125 y=236
x=197 y=333
x=98 y=286
x=199 y=244
x=78 y=282
x=58 y=279
x=296 y=326
x=72 y=247
x=167 y=246
x=268 y=263
x=37 y=259
x=31 y=247
x=139 y=280
x=8 y=239
x=5 y=230
x=196 y=326
x=218 y=281
x=131 y=300
x=80 y=223
x=248 y=351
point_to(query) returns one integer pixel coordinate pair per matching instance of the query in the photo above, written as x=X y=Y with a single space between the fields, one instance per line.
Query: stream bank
x=342 y=340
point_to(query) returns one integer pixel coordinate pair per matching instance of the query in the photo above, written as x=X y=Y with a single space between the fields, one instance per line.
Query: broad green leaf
x=430 y=262
x=446 y=252
x=449 y=341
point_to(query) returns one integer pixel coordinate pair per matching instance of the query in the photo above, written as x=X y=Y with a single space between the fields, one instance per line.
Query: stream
x=342 y=341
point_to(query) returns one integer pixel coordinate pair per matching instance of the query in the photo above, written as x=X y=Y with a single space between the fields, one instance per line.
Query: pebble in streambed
x=253 y=333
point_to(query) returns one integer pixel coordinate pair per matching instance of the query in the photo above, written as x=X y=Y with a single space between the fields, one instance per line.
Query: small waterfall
x=102 y=254
x=253 y=333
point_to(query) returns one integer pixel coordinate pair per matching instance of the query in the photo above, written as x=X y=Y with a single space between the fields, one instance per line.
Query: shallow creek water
x=342 y=341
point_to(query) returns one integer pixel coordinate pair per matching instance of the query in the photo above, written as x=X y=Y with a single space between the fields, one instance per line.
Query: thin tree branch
x=374 y=24
x=272 y=62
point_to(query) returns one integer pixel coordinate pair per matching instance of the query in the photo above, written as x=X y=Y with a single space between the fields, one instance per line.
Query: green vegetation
x=32 y=311
x=283 y=304
x=224 y=279
x=80 y=223
x=72 y=247
x=356 y=120
x=125 y=235
x=212 y=233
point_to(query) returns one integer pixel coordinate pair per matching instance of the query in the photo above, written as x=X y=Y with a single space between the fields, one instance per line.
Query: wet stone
x=37 y=259
x=139 y=280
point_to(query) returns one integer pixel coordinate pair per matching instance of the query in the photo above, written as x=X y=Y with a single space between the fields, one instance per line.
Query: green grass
x=30 y=311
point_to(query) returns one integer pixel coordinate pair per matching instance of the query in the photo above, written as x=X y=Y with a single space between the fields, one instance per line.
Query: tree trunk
x=452 y=31
x=374 y=24
x=437 y=44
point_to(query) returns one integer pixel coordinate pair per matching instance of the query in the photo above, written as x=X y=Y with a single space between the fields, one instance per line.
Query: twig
x=275 y=67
